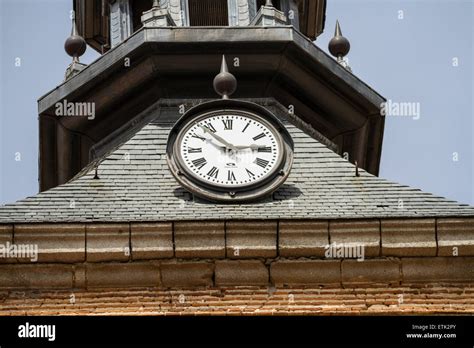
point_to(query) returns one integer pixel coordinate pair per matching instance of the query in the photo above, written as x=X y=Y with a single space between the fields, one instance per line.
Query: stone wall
x=232 y=253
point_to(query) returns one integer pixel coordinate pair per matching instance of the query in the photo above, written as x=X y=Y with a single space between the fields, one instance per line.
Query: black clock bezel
x=220 y=193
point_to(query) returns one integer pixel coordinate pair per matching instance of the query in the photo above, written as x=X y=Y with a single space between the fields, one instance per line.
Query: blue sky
x=411 y=60
x=405 y=50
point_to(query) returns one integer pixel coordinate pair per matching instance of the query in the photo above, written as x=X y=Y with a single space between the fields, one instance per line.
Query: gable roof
x=135 y=184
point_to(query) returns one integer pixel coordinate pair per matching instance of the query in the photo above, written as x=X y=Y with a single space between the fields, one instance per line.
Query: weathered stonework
x=134 y=274
x=437 y=269
x=408 y=237
x=302 y=238
x=286 y=272
x=241 y=272
x=36 y=276
x=56 y=242
x=6 y=237
x=157 y=17
x=186 y=274
x=79 y=276
x=380 y=271
x=251 y=239
x=175 y=11
x=152 y=240
x=73 y=69
x=269 y=16
x=6 y=233
x=204 y=239
x=243 y=12
x=455 y=237
x=357 y=232
x=108 y=242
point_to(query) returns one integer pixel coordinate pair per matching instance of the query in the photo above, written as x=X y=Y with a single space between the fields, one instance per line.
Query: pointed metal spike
x=225 y=83
x=96 y=173
x=74 y=31
x=224 y=67
x=338 y=31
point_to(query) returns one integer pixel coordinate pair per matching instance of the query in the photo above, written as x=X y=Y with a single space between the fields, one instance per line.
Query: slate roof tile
x=140 y=187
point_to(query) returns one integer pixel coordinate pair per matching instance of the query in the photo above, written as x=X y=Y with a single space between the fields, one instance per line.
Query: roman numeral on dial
x=194 y=150
x=260 y=136
x=265 y=149
x=213 y=172
x=210 y=127
x=228 y=124
x=251 y=175
x=200 y=162
x=230 y=175
x=194 y=135
x=245 y=128
x=261 y=162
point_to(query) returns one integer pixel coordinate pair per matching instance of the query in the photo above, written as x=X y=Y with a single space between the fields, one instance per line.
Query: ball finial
x=75 y=44
x=339 y=46
x=225 y=83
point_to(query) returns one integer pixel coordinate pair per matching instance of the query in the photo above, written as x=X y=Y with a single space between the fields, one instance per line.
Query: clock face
x=229 y=149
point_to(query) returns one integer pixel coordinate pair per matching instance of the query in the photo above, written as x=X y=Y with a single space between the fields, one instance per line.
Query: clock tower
x=215 y=148
x=168 y=50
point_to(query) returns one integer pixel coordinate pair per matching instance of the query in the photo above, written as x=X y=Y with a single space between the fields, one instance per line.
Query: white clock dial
x=230 y=150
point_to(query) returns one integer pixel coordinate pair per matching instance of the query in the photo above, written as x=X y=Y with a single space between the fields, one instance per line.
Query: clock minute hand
x=218 y=138
x=252 y=146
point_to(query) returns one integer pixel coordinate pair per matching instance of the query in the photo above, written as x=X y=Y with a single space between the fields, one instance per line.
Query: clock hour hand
x=218 y=138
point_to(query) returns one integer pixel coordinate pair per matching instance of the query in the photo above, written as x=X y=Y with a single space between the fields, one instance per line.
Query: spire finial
x=338 y=31
x=75 y=45
x=225 y=83
x=74 y=31
x=339 y=46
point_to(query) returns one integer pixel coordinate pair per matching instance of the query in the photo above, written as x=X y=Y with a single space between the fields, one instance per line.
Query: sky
x=410 y=51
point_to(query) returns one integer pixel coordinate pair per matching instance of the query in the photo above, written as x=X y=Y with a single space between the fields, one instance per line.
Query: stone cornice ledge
x=258 y=252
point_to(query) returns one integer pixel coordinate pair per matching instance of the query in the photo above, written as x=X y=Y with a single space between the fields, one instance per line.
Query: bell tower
x=106 y=23
x=168 y=50
x=215 y=160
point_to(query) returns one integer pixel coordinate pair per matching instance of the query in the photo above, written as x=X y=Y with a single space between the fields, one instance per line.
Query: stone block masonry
x=357 y=232
x=251 y=239
x=303 y=238
x=152 y=240
x=108 y=242
x=65 y=243
x=200 y=239
x=455 y=237
x=409 y=237
x=202 y=254
x=179 y=273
